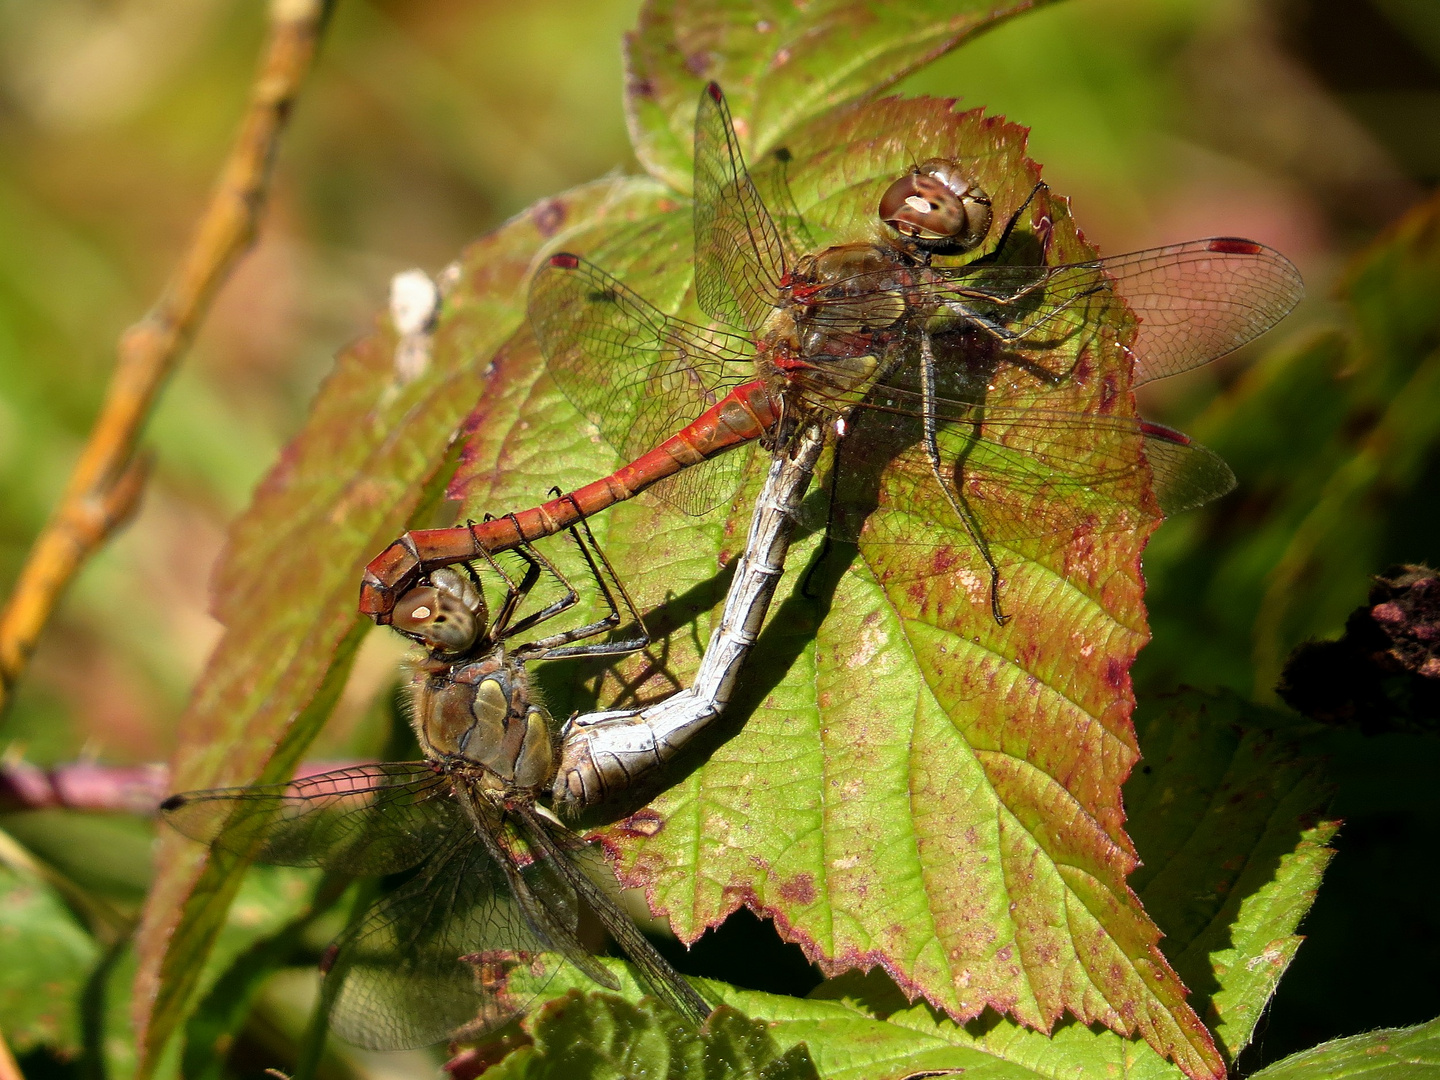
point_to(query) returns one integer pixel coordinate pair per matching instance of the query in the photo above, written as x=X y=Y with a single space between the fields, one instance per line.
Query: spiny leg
x=956 y=501
x=557 y=646
x=537 y=564
x=994 y=254
x=591 y=550
x=515 y=594
x=827 y=541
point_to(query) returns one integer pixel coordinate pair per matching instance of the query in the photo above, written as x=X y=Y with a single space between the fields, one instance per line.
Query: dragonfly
x=491 y=906
x=932 y=377
x=939 y=381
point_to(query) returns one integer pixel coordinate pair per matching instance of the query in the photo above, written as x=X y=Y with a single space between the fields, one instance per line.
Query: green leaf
x=1333 y=440
x=1392 y=1054
x=45 y=958
x=211 y=1029
x=782 y=65
x=914 y=786
x=1226 y=813
x=862 y=1028
x=599 y=1036
x=286 y=588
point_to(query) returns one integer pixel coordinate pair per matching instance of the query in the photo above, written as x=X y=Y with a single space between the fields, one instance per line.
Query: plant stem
x=104 y=489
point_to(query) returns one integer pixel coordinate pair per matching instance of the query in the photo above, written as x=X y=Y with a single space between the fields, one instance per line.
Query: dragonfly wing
x=544 y=896
x=699 y=490
x=1200 y=300
x=1014 y=474
x=1185 y=475
x=739 y=257
x=1195 y=302
x=566 y=853
x=365 y=820
x=637 y=374
x=462 y=948
x=449 y=951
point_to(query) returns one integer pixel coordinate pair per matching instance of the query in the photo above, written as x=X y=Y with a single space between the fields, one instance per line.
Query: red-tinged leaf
x=347 y=484
x=914 y=787
x=783 y=65
x=1230 y=831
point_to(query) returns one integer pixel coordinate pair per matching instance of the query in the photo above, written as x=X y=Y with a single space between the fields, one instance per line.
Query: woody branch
x=104 y=489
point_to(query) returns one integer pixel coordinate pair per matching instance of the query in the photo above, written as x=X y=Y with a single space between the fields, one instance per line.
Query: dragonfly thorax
x=848 y=289
x=482 y=713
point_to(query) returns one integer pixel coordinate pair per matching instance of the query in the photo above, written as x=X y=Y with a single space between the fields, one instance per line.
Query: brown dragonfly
x=934 y=378
x=492 y=904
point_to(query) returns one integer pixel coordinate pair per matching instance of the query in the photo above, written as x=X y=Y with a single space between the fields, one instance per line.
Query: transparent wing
x=366 y=820
x=662 y=980
x=739 y=257
x=1195 y=301
x=460 y=949
x=633 y=371
x=1015 y=473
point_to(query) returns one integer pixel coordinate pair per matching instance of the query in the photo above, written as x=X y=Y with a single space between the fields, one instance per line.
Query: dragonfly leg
x=993 y=255
x=514 y=593
x=954 y=498
x=558 y=645
x=536 y=564
x=1007 y=336
x=827 y=541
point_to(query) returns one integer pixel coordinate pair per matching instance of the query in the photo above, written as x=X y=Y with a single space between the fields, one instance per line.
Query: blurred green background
x=1309 y=124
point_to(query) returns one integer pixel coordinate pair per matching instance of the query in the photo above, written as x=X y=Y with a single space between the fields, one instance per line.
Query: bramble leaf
x=601 y=1037
x=45 y=958
x=914 y=786
x=783 y=65
x=1391 y=1054
x=378 y=430
x=1226 y=812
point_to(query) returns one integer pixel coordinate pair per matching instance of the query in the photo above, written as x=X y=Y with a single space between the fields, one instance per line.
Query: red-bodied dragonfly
x=934 y=378
x=495 y=891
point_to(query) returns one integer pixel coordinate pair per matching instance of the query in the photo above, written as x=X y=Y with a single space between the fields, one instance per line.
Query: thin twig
x=81 y=785
x=105 y=486
x=89 y=786
x=9 y=1067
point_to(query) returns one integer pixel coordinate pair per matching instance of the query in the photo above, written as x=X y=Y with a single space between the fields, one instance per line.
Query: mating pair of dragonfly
x=938 y=384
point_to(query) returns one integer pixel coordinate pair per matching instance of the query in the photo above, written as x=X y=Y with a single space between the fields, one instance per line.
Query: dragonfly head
x=448 y=614
x=937 y=207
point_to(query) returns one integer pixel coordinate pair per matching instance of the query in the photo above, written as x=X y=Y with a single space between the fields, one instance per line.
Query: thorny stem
x=104 y=488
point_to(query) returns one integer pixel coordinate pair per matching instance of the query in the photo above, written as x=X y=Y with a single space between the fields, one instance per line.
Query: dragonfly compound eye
x=447 y=614
x=937 y=207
